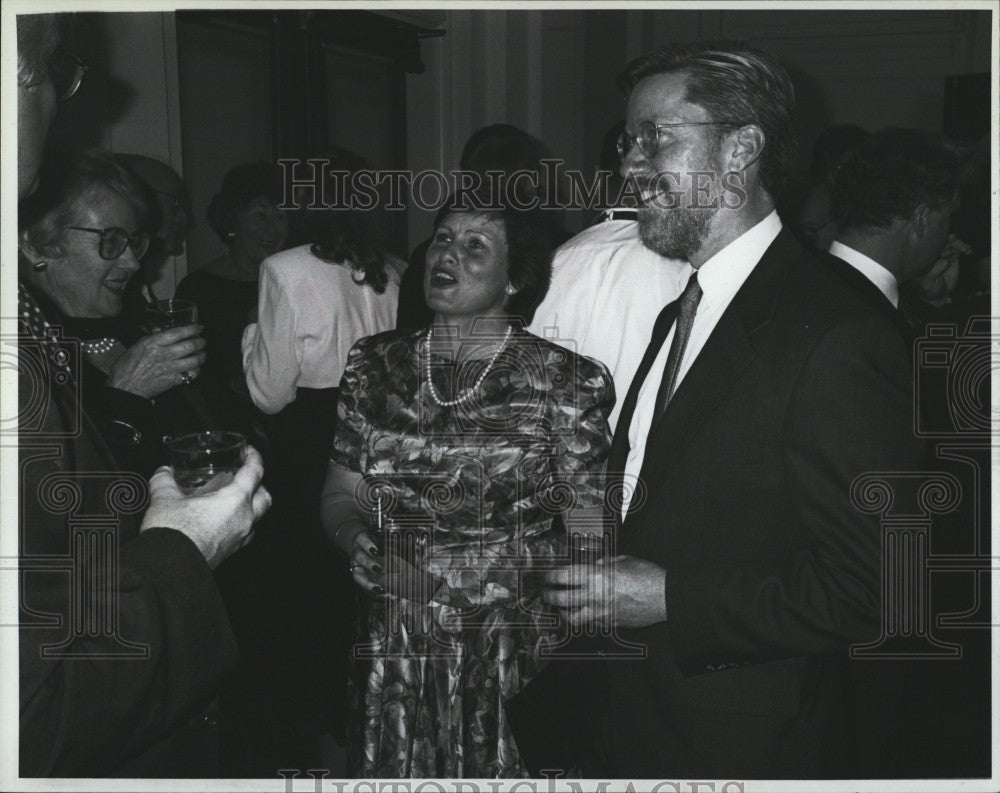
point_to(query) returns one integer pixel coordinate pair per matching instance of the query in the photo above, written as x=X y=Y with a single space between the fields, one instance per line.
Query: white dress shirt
x=310 y=313
x=607 y=290
x=870 y=269
x=720 y=279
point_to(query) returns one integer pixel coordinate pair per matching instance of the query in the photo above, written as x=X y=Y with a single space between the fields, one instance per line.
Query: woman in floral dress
x=462 y=452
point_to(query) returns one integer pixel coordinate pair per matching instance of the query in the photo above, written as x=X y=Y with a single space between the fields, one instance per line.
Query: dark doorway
x=291 y=84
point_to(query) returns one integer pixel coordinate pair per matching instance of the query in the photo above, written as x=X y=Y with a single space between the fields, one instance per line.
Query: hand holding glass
x=166 y=314
x=204 y=462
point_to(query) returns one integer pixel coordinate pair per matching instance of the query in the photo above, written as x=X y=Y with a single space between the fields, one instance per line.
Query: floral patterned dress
x=478 y=484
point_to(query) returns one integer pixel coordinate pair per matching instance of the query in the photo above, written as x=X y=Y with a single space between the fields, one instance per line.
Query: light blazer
x=771 y=571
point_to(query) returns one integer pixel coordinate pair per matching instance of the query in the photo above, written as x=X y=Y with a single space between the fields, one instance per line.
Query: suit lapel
x=714 y=375
x=620 y=446
x=709 y=380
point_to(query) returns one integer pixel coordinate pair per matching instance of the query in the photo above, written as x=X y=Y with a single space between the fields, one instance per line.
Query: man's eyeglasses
x=648 y=138
x=114 y=240
x=66 y=72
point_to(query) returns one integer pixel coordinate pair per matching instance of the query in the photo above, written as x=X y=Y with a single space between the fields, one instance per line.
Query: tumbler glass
x=165 y=314
x=204 y=462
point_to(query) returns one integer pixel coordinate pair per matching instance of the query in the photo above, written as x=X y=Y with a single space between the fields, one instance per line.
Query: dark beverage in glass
x=203 y=462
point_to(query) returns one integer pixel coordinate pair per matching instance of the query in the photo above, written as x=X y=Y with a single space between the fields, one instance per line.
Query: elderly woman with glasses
x=80 y=243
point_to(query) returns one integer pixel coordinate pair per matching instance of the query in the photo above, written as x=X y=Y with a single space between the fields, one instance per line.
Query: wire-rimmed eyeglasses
x=66 y=72
x=648 y=137
x=114 y=240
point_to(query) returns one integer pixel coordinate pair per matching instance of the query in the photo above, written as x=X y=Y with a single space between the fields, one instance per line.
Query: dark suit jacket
x=122 y=635
x=861 y=284
x=771 y=571
x=924 y=717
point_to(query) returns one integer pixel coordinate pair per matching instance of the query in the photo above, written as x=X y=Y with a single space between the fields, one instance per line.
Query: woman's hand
x=158 y=362
x=365 y=559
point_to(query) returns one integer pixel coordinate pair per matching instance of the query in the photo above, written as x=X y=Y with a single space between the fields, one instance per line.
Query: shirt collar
x=870 y=269
x=623 y=213
x=725 y=272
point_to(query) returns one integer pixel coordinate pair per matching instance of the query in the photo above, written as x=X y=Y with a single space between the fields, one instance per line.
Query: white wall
x=142 y=54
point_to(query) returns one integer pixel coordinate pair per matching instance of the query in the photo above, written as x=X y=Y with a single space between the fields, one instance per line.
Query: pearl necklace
x=469 y=392
x=98 y=346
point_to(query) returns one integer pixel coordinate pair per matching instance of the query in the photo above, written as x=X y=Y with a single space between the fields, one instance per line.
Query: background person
x=88 y=715
x=460 y=428
x=315 y=302
x=245 y=215
x=814 y=220
x=608 y=288
x=82 y=244
x=168 y=220
x=892 y=201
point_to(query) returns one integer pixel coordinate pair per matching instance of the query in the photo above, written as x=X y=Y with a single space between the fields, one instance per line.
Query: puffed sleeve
x=272 y=360
x=582 y=437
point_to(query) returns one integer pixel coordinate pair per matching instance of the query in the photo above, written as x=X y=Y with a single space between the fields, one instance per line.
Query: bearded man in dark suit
x=743 y=563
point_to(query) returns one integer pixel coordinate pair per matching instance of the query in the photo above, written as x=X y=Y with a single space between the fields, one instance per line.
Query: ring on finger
x=186 y=378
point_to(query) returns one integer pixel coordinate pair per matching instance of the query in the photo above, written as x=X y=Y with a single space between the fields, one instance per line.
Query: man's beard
x=676 y=233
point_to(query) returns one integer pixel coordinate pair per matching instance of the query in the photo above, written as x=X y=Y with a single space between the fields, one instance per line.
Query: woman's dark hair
x=529 y=251
x=342 y=233
x=64 y=178
x=241 y=186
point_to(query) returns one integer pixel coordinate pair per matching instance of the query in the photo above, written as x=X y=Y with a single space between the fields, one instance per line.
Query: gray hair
x=44 y=214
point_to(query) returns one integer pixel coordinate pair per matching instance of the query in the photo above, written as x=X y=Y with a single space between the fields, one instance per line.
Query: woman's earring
x=39 y=267
x=511 y=289
x=230 y=236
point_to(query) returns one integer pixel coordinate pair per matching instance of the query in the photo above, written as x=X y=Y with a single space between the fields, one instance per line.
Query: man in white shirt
x=892 y=202
x=606 y=292
x=769 y=387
